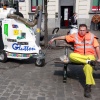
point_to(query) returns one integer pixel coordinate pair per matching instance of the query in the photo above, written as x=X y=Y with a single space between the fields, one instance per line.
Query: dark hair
x=83 y=25
x=74 y=13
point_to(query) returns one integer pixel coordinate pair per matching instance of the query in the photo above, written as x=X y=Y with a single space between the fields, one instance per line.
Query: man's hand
x=97 y=66
x=50 y=42
x=98 y=60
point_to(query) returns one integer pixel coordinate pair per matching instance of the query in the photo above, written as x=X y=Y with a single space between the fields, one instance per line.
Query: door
x=66 y=13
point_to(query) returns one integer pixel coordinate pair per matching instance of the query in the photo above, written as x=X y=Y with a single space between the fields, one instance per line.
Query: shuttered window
x=96 y=5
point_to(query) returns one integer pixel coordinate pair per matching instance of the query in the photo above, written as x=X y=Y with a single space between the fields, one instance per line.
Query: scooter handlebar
x=73 y=26
x=55 y=29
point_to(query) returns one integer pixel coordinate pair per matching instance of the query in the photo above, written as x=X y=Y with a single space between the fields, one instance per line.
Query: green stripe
x=95 y=2
x=6 y=29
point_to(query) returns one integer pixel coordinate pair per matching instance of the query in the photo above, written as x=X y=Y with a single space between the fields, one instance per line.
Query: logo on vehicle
x=16 y=46
x=14 y=26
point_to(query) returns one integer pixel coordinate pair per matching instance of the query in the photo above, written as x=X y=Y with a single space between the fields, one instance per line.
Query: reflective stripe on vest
x=85 y=47
x=88 y=43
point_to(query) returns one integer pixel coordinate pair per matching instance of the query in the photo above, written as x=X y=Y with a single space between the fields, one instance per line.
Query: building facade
x=60 y=11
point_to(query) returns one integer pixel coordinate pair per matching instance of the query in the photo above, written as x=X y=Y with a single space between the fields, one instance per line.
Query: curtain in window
x=96 y=5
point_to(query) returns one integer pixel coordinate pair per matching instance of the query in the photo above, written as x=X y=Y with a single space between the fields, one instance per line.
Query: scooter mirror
x=55 y=29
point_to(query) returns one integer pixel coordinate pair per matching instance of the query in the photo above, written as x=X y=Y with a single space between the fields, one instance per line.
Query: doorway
x=66 y=13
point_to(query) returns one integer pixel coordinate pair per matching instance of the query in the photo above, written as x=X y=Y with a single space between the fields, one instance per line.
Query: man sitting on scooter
x=86 y=47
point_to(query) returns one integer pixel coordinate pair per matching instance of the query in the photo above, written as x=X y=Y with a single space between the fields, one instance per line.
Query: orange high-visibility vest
x=85 y=46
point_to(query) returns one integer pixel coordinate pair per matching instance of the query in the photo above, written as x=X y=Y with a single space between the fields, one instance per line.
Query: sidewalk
x=22 y=80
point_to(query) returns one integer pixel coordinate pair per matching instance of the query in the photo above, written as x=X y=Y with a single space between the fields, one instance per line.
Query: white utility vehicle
x=73 y=29
x=20 y=40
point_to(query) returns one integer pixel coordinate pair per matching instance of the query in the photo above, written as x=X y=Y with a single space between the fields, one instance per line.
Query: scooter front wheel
x=3 y=56
x=40 y=62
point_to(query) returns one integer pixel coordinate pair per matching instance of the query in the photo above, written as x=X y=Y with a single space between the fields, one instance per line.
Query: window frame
x=37 y=5
x=98 y=10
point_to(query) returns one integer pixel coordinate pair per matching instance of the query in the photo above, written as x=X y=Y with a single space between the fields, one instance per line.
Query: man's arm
x=97 y=48
x=58 y=38
x=98 y=52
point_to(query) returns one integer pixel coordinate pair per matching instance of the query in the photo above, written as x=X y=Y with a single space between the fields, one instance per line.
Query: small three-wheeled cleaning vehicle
x=19 y=38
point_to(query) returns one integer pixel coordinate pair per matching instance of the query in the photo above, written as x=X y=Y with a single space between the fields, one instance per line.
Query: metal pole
x=38 y=31
x=45 y=24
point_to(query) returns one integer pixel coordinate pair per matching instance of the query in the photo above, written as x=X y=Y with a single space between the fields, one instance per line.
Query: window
x=7 y=2
x=96 y=5
x=35 y=3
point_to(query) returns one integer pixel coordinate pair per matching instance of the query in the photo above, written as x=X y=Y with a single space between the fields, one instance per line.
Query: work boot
x=94 y=64
x=87 y=91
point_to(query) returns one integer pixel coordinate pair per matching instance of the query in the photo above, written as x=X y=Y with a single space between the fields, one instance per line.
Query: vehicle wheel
x=40 y=62
x=3 y=56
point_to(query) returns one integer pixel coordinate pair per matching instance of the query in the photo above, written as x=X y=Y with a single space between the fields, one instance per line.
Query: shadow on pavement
x=13 y=63
x=75 y=72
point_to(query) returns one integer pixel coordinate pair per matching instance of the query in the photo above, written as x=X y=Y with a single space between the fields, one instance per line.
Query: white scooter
x=73 y=29
x=19 y=38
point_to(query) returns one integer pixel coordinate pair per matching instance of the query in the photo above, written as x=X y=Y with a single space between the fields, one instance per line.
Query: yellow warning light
x=38 y=30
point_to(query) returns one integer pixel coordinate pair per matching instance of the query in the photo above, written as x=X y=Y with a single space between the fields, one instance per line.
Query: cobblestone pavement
x=22 y=80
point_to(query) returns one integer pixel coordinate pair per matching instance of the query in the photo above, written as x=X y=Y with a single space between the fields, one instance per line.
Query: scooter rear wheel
x=40 y=62
x=3 y=56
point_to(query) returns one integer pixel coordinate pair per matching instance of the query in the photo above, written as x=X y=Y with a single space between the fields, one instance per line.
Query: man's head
x=74 y=13
x=82 y=29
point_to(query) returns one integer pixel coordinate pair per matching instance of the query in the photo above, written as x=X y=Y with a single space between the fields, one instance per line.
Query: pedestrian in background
x=74 y=19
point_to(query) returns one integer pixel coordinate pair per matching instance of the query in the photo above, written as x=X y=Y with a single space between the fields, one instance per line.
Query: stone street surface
x=22 y=80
